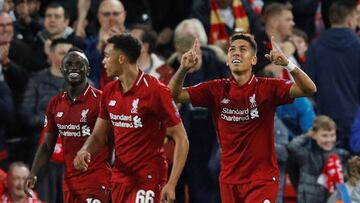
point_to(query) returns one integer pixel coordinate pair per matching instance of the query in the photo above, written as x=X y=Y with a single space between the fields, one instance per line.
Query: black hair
x=129 y=45
x=56 y=5
x=340 y=9
x=76 y=49
x=247 y=37
x=58 y=41
x=148 y=36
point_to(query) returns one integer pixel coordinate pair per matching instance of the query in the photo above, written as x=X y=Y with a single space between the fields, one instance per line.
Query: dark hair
x=148 y=36
x=58 y=41
x=339 y=10
x=75 y=49
x=56 y=5
x=247 y=37
x=131 y=46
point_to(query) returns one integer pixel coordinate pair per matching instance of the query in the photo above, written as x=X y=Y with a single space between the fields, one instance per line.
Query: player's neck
x=75 y=91
x=242 y=77
x=128 y=78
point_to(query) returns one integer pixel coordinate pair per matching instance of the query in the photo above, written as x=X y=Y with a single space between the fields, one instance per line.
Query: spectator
x=278 y=22
x=300 y=40
x=320 y=159
x=348 y=192
x=29 y=22
x=15 y=182
x=111 y=16
x=204 y=147
x=56 y=23
x=333 y=61
x=148 y=61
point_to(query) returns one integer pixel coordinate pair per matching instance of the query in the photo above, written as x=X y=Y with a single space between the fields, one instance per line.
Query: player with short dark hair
x=139 y=109
x=243 y=108
x=72 y=115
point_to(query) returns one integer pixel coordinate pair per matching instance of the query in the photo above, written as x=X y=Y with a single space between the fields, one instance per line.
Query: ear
x=254 y=60
x=121 y=58
x=88 y=71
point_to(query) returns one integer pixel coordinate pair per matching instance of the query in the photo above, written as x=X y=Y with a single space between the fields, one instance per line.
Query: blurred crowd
x=317 y=139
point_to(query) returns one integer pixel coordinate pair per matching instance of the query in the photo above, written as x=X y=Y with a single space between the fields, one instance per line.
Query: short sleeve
x=166 y=108
x=200 y=94
x=49 y=121
x=280 y=90
x=103 y=111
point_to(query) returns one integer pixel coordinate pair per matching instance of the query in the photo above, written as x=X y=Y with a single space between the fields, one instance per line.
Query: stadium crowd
x=316 y=138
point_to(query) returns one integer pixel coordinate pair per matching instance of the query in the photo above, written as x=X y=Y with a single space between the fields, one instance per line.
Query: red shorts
x=91 y=195
x=252 y=192
x=129 y=193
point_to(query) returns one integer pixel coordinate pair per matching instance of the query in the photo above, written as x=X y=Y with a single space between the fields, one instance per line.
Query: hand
x=168 y=193
x=82 y=160
x=191 y=57
x=79 y=27
x=276 y=56
x=4 y=53
x=29 y=185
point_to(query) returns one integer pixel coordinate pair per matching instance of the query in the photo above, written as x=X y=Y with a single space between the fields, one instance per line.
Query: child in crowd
x=321 y=165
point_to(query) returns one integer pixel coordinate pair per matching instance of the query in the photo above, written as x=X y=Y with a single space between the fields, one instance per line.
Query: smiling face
x=241 y=56
x=75 y=68
x=326 y=139
x=15 y=181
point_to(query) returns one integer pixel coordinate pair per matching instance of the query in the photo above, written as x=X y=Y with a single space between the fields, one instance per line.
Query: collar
x=250 y=82
x=89 y=91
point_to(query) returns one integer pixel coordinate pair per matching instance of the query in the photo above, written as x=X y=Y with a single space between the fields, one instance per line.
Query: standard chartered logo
x=137 y=122
x=74 y=130
x=126 y=121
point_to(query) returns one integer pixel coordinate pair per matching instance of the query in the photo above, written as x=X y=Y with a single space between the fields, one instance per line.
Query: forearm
x=180 y=155
x=177 y=81
x=94 y=144
x=303 y=81
x=83 y=7
x=42 y=156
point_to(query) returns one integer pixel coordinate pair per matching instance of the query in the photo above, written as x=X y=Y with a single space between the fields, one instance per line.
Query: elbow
x=311 y=90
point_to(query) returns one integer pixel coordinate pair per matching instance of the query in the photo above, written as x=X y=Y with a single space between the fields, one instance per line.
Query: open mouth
x=236 y=61
x=74 y=75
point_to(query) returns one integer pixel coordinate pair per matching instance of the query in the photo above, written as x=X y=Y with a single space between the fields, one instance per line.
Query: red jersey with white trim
x=139 y=117
x=74 y=122
x=244 y=120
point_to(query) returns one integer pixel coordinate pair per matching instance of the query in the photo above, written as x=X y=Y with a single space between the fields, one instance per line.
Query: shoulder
x=110 y=86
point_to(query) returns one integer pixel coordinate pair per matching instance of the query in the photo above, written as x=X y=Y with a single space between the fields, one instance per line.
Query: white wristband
x=290 y=66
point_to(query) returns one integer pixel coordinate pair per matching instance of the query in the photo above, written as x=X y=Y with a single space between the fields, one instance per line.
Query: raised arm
x=83 y=7
x=179 y=136
x=303 y=85
x=188 y=61
x=95 y=142
x=42 y=156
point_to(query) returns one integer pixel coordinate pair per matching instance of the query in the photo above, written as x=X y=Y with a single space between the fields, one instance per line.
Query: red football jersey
x=74 y=122
x=244 y=120
x=139 y=117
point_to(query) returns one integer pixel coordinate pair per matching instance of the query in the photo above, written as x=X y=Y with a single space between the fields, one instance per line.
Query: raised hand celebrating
x=276 y=56
x=191 y=57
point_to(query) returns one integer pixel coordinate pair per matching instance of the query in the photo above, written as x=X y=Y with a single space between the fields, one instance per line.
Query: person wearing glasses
x=111 y=16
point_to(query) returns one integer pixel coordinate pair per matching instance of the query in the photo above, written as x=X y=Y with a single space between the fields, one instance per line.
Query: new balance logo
x=112 y=103
x=59 y=114
x=225 y=101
